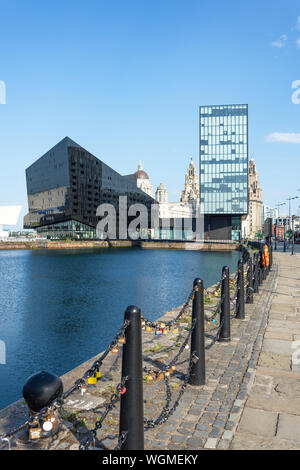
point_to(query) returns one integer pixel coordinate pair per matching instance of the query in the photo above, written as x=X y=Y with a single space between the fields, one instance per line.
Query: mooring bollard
x=132 y=405
x=39 y=391
x=240 y=301
x=250 y=288
x=197 y=376
x=225 y=306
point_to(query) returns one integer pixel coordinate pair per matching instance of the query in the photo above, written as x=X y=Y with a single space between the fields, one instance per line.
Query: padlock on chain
x=83 y=388
x=35 y=430
x=115 y=349
x=50 y=422
x=92 y=380
x=98 y=372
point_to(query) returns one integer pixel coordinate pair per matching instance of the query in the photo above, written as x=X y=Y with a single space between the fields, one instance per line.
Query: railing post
x=225 y=306
x=240 y=301
x=132 y=405
x=197 y=376
x=250 y=289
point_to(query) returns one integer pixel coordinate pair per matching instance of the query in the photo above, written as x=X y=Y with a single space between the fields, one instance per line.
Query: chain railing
x=207 y=314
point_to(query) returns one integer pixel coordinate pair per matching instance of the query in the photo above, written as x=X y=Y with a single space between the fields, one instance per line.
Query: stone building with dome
x=143 y=181
x=191 y=191
x=186 y=207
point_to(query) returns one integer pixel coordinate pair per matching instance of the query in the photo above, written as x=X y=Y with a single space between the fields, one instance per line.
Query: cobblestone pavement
x=207 y=416
x=271 y=417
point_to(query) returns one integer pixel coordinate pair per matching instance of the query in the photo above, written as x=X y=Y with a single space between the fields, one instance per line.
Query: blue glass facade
x=224 y=159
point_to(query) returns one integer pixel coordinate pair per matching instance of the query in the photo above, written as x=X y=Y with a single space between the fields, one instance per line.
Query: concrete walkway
x=271 y=415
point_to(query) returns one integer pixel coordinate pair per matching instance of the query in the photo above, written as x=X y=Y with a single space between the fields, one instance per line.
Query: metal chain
x=115 y=397
x=167 y=411
x=58 y=402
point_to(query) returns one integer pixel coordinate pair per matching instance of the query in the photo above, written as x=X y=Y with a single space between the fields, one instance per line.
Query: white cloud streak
x=281 y=42
x=290 y=138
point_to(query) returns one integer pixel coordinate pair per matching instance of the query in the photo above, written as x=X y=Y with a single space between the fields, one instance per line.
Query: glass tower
x=224 y=161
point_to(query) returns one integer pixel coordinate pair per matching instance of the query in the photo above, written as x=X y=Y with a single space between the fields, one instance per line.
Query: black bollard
x=240 y=301
x=225 y=306
x=197 y=376
x=41 y=389
x=270 y=256
x=132 y=405
x=250 y=288
x=256 y=273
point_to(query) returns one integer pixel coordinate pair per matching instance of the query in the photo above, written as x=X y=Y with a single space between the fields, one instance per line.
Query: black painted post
x=270 y=255
x=249 y=294
x=132 y=405
x=240 y=301
x=197 y=376
x=225 y=306
x=256 y=273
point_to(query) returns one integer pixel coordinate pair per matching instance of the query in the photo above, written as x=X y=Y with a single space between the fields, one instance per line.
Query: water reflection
x=59 y=308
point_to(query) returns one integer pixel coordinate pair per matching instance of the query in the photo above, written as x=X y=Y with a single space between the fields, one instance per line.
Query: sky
x=125 y=79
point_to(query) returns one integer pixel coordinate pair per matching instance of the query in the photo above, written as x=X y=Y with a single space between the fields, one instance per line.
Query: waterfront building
x=189 y=200
x=223 y=166
x=9 y=216
x=65 y=187
x=191 y=190
x=170 y=212
x=252 y=224
x=143 y=181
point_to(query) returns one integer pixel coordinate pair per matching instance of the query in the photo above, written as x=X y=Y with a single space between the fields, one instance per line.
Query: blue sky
x=125 y=79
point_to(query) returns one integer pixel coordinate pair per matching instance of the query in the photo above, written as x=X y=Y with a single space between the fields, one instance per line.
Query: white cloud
x=298 y=42
x=291 y=138
x=281 y=42
x=298 y=23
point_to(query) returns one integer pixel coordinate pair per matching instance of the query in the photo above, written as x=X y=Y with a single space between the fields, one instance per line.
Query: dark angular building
x=223 y=169
x=65 y=187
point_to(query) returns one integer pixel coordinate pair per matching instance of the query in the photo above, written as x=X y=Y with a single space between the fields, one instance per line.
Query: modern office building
x=223 y=169
x=65 y=187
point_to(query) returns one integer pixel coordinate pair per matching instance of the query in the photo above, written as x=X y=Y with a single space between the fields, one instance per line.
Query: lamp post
x=293 y=236
x=290 y=199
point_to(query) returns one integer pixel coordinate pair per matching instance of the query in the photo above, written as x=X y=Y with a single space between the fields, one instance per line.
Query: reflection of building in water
x=67 y=184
